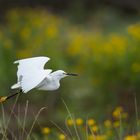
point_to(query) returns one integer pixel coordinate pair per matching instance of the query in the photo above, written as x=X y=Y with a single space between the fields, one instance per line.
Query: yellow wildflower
x=107 y=123
x=101 y=137
x=52 y=31
x=62 y=137
x=91 y=137
x=46 y=130
x=98 y=137
x=79 y=121
x=116 y=124
x=131 y=137
x=3 y=99
x=70 y=122
x=118 y=41
x=91 y=122
x=117 y=112
x=95 y=128
x=108 y=49
x=75 y=45
x=134 y=30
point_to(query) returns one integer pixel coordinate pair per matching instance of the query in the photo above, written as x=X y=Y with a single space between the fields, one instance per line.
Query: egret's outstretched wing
x=30 y=65
x=31 y=72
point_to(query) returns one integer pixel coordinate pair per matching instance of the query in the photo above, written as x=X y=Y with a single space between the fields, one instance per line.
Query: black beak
x=71 y=74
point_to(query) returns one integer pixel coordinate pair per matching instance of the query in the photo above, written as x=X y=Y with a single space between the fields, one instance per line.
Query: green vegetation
x=116 y=127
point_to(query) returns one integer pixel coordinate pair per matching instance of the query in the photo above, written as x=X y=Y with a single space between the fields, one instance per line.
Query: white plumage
x=31 y=74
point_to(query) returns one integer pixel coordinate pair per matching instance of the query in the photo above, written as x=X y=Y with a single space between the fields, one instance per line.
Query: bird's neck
x=56 y=77
x=56 y=82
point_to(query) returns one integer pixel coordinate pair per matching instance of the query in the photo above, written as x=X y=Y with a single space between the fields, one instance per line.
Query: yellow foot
x=2 y=99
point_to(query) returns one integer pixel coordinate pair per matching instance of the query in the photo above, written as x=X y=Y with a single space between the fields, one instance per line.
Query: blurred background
x=99 y=40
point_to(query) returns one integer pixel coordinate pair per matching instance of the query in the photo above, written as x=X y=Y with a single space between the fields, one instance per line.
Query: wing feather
x=32 y=72
x=29 y=65
x=29 y=82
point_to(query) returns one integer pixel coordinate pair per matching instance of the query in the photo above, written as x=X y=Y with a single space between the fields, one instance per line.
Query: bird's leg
x=4 y=98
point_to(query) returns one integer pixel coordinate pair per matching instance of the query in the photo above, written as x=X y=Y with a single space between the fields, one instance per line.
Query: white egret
x=32 y=75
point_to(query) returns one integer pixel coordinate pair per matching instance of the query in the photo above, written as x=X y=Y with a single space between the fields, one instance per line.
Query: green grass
x=117 y=127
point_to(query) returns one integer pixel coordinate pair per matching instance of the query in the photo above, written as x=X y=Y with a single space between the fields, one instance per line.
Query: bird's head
x=61 y=74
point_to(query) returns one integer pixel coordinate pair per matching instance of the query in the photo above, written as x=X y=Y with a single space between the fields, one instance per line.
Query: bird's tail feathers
x=15 y=86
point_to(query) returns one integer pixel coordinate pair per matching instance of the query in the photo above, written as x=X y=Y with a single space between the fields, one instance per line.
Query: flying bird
x=32 y=75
